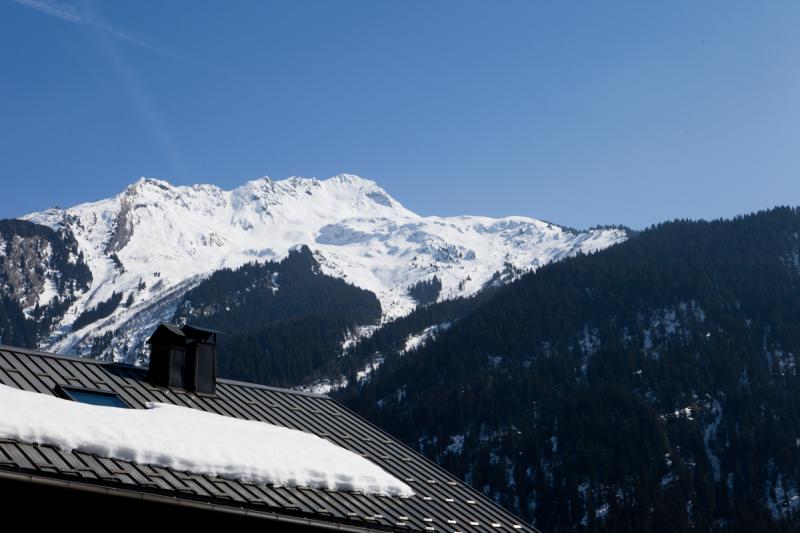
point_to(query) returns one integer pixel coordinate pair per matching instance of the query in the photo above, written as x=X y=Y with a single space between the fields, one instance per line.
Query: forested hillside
x=281 y=320
x=649 y=387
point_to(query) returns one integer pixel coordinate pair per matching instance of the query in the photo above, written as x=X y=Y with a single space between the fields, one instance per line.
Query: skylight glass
x=105 y=399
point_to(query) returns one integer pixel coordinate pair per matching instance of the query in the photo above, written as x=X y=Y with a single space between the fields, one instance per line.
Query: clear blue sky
x=577 y=112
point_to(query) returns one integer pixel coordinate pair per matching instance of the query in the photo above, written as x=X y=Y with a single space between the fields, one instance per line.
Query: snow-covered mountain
x=154 y=241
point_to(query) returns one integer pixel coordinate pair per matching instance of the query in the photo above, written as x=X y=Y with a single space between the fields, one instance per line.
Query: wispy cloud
x=69 y=13
x=148 y=110
x=107 y=35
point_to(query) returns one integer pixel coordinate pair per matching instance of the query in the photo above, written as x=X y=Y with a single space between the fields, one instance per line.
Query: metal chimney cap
x=163 y=328
x=199 y=333
x=192 y=327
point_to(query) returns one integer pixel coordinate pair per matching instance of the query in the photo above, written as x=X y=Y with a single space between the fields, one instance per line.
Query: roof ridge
x=30 y=351
x=272 y=388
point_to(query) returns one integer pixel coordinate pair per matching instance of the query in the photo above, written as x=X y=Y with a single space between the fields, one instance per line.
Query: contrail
x=105 y=33
x=71 y=14
x=147 y=108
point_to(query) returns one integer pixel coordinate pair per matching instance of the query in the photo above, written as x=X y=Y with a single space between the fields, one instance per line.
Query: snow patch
x=709 y=435
x=783 y=499
x=456 y=445
x=415 y=342
x=352 y=337
x=326 y=386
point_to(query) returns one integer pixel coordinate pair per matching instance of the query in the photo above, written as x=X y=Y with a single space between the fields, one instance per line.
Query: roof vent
x=183 y=358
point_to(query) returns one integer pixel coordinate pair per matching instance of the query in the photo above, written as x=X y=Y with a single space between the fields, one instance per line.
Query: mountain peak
x=367 y=191
x=351 y=179
x=144 y=183
x=156 y=240
x=265 y=187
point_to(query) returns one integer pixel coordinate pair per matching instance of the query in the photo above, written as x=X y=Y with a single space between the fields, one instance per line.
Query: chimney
x=201 y=359
x=183 y=358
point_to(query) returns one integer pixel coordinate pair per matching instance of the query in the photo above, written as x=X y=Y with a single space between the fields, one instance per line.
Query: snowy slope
x=154 y=241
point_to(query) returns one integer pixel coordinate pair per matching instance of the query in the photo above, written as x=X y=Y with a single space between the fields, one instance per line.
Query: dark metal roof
x=441 y=502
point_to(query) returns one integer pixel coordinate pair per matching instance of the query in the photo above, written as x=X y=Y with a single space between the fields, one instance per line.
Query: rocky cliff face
x=42 y=273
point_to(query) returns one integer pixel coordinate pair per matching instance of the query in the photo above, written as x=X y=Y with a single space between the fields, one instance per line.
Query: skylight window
x=93 y=397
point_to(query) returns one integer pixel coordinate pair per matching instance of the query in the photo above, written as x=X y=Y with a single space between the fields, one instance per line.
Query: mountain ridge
x=154 y=241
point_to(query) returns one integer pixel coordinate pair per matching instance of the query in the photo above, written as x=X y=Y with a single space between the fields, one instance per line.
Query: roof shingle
x=440 y=500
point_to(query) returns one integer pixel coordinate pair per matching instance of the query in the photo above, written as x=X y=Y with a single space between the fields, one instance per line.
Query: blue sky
x=581 y=113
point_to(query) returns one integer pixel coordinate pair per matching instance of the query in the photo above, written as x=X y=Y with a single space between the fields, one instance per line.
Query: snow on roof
x=194 y=441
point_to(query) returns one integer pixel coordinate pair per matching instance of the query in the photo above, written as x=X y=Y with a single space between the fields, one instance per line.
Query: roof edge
x=181 y=502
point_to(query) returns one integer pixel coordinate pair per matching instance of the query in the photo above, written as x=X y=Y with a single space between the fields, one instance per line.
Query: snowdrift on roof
x=193 y=441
